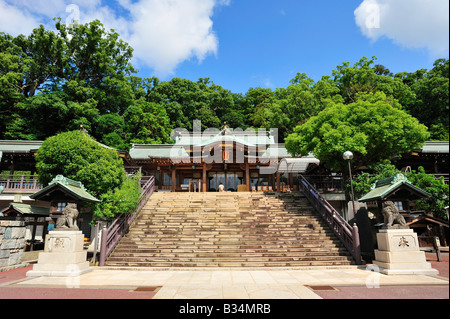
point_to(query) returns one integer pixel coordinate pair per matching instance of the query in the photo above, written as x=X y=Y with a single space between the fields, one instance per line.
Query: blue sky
x=240 y=44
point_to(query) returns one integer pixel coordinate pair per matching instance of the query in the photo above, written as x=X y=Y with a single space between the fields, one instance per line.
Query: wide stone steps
x=228 y=230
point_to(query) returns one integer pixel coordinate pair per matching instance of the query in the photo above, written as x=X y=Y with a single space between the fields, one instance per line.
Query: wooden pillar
x=278 y=182
x=247 y=175
x=290 y=181
x=204 y=179
x=11 y=169
x=174 y=171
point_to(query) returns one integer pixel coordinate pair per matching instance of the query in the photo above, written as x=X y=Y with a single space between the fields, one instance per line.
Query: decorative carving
x=392 y=217
x=69 y=219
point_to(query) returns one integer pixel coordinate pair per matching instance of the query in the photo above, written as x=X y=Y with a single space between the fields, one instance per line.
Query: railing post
x=103 y=247
x=356 y=244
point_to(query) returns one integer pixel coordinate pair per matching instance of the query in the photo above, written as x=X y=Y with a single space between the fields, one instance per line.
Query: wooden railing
x=347 y=234
x=326 y=183
x=20 y=183
x=119 y=227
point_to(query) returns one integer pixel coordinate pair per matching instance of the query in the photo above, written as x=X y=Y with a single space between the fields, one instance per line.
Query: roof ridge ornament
x=67 y=181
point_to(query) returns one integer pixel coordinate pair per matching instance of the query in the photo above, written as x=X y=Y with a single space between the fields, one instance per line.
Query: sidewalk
x=315 y=283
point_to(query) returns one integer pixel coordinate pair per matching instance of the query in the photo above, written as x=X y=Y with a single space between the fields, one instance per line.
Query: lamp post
x=348 y=156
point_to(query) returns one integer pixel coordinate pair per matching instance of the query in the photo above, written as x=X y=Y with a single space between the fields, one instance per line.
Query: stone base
x=399 y=253
x=67 y=270
x=63 y=256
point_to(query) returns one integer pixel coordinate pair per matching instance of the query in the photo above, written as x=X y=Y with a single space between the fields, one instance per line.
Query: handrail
x=347 y=234
x=20 y=183
x=119 y=227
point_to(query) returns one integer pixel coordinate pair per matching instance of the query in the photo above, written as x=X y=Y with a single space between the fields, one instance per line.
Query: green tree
x=147 y=123
x=12 y=69
x=46 y=114
x=49 y=74
x=121 y=200
x=254 y=105
x=78 y=156
x=363 y=182
x=438 y=190
x=110 y=130
x=432 y=91
x=365 y=77
x=95 y=65
x=300 y=101
x=371 y=128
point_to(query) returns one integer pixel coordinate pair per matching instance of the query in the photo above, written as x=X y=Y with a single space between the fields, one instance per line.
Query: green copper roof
x=384 y=187
x=26 y=209
x=73 y=188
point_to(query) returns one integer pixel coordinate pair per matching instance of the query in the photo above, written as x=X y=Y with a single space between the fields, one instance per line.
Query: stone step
x=146 y=255
x=228 y=259
x=234 y=250
x=168 y=264
x=228 y=230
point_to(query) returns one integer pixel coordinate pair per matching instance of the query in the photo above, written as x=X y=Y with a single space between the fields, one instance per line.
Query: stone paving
x=234 y=283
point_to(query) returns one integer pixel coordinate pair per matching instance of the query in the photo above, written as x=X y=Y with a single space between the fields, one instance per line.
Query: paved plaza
x=355 y=282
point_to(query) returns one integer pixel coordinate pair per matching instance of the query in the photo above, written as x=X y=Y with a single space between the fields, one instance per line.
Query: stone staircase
x=229 y=230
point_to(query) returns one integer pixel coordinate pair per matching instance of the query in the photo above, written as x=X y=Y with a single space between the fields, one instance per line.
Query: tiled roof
x=74 y=188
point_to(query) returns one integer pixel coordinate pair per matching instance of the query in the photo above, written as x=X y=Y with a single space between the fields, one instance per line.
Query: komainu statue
x=68 y=221
x=392 y=217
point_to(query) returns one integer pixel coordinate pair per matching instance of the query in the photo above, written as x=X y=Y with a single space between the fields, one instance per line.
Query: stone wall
x=12 y=243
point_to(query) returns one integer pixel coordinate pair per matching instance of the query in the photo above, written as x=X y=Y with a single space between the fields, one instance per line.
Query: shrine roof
x=26 y=209
x=382 y=188
x=73 y=188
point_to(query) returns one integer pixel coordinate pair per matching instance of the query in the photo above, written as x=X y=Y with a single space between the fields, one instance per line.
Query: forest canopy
x=55 y=81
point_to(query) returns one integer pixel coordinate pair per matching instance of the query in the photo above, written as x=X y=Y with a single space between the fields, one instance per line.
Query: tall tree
x=431 y=89
x=300 y=101
x=78 y=156
x=371 y=128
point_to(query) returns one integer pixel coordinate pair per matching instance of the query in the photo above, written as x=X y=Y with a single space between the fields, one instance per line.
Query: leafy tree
x=98 y=62
x=254 y=104
x=147 y=123
x=438 y=190
x=363 y=78
x=47 y=114
x=300 y=101
x=78 y=156
x=12 y=69
x=363 y=182
x=121 y=200
x=110 y=130
x=431 y=89
x=78 y=71
x=186 y=101
x=371 y=128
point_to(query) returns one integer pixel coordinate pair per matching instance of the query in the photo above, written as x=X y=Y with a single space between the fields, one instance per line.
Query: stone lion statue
x=68 y=221
x=392 y=217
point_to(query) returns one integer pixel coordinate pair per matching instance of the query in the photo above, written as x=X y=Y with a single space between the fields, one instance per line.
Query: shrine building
x=250 y=160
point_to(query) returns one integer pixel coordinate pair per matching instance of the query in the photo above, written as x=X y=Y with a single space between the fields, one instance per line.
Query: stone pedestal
x=63 y=256
x=399 y=253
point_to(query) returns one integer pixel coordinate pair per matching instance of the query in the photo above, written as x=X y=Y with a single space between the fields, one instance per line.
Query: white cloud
x=163 y=33
x=15 y=21
x=408 y=23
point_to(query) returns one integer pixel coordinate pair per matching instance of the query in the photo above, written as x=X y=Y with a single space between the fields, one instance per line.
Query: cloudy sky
x=254 y=43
